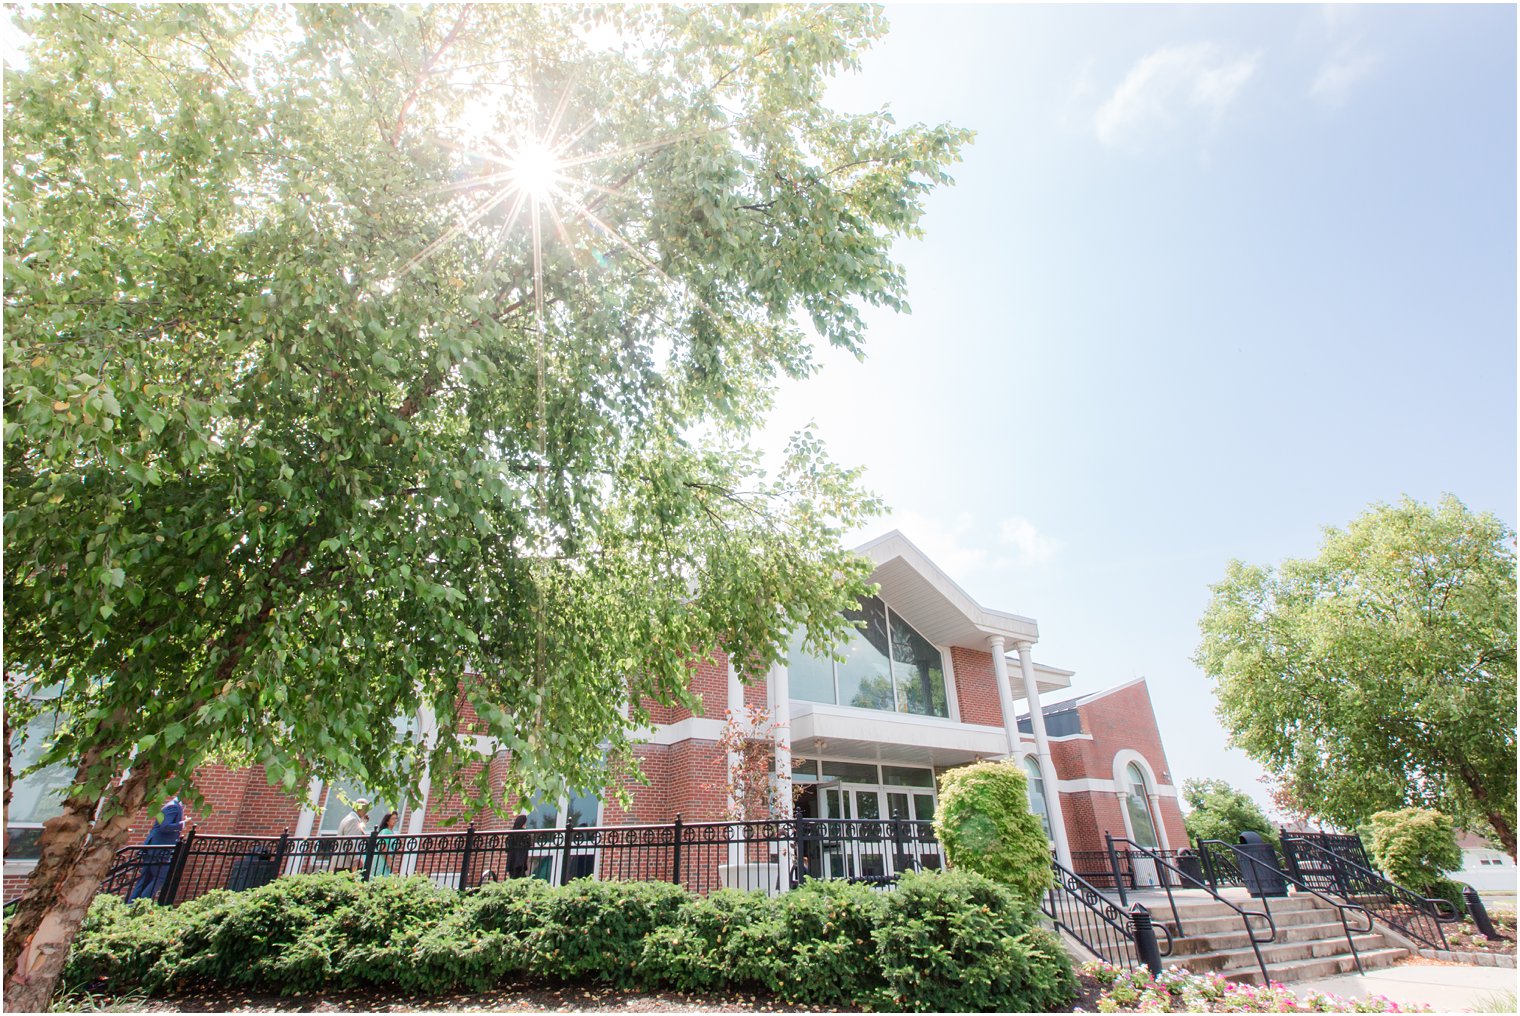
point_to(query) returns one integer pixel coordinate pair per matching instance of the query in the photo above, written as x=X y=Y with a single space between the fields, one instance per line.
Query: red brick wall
x=976 y=687
x=1121 y=720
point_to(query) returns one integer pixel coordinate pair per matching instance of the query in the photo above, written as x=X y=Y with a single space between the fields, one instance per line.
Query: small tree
x=985 y=825
x=1217 y=811
x=1415 y=847
x=748 y=741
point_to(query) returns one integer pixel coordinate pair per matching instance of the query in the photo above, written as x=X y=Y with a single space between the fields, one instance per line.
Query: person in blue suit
x=165 y=833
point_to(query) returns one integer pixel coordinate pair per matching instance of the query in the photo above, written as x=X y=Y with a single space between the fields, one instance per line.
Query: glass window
x=902 y=776
x=865 y=674
x=1036 y=781
x=804 y=770
x=1139 y=806
x=849 y=772
x=37 y=797
x=811 y=678
x=339 y=804
x=919 y=672
x=884 y=664
x=584 y=810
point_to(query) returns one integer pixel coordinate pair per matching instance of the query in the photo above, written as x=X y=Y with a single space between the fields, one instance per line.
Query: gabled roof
x=931 y=601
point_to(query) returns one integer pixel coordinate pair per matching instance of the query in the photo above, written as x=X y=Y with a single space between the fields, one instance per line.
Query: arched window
x=1139 y=804
x=1036 y=780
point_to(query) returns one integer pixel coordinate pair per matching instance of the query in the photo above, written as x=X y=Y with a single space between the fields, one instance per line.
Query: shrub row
x=950 y=941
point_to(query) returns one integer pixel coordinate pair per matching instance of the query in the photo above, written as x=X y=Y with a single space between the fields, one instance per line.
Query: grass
x=1503 y=1002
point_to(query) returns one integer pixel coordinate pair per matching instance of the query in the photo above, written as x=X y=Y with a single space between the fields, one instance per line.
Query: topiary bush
x=985 y=825
x=826 y=947
x=1414 y=847
x=959 y=942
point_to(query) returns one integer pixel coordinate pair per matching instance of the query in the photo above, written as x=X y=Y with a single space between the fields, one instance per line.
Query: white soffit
x=931 y=602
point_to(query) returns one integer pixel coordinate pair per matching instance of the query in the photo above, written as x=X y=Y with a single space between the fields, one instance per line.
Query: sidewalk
x=1445 y=987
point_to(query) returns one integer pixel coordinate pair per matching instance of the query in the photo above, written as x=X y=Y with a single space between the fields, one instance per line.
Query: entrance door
x=856 y=846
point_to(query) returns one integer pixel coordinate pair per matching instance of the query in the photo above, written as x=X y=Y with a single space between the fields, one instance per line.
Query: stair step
x=1236 y=938
x=1226 y=960
x=1317 y=968
x=1230 y=921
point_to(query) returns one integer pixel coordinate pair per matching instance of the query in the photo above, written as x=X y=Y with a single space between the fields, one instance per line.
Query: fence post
x=464 y=862
x=1145 y=938
x=1479 y=912
x=799 y=862
x=564 y=866
x=176 y=867
x=1290 y=854
x=279 y=852
x=1113 y=865
x=369 y=853
x=1208 y=865
x=675 y=851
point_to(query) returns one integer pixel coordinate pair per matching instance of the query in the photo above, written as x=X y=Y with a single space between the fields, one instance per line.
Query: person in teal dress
x=385 y=845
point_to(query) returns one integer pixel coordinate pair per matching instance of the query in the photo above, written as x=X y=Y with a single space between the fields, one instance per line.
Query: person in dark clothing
x=155 y=863
x=517 y=848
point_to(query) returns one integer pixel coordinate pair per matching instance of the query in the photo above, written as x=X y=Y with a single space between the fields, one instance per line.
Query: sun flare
x=535 y=169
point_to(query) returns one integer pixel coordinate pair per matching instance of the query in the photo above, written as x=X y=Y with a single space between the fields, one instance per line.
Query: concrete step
x=1319 y=967
x=1236 y=937
x=1274 y=953
x=1229 y=921
x=1205 y=907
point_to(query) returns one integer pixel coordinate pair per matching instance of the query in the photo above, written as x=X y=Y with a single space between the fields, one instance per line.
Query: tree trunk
x=1503 y=830
x=76 y=854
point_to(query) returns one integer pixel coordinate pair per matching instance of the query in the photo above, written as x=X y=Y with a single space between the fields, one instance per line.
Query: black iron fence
x=703 y=856
x=1126 y=938
x=1337 y=872
x=1137 y=868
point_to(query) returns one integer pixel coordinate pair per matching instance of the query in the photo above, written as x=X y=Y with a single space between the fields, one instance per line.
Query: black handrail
x=1349 y=878
x=1303 y=886
x=1079 y=908
x=1245 y=915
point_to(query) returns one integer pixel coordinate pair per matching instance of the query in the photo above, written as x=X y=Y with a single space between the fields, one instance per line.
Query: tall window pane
x=1139 y=806
x=919 y=671
x=865 y=676
x=811 y=678
x=37 y=797
x=1036 y=781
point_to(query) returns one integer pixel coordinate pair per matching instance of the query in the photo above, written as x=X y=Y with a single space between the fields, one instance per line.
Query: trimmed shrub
x=827 y=949
x=1415 y=847
x=984 y=822
x=958 y=942
x=939 y=941
x=1448 y=890
x=596 y=930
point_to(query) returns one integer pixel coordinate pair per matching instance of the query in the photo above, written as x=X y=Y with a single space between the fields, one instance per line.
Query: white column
x=1005 y=694
x=1156 y=821
x=1042 y=750
x=737 y=717
x=780 y=684
x=427 y=726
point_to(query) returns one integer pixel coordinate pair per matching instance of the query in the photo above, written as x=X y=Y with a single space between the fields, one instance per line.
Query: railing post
x=799 y=861
x=176 y=867
x=369 y=853
x=1144 y=931
x=280 y=850
x=464 y=861
x=564 y=865
x=675 y=851
x=1113 y=865
x=1208 y=865
x=1479 y=912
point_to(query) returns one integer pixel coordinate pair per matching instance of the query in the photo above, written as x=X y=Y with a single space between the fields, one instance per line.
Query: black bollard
x=1478 y=911
x=1145 y=938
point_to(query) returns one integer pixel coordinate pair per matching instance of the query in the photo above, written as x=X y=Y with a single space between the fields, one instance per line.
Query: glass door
x=867 y=847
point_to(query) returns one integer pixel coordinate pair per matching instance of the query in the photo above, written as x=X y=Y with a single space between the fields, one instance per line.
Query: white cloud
x=1170 y=87
x=1339 y=73
x=962 y=547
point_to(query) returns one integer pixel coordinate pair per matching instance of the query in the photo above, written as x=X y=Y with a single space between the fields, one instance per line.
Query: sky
x=1210 y=280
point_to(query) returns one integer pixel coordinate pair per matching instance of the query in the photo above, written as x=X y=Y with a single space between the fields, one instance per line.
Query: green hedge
x=951 y=941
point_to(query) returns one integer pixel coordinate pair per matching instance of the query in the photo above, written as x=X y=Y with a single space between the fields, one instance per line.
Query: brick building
x=931 y=681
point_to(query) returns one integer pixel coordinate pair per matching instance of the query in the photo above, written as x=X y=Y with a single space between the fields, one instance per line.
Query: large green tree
x=1217 y=811
x=1380 y=673
x=349 y=346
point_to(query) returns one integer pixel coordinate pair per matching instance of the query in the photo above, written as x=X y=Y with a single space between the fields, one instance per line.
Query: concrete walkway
x=1446 y=987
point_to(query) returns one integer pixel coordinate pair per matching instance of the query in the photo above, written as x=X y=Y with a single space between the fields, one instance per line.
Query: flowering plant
x=1135 y=990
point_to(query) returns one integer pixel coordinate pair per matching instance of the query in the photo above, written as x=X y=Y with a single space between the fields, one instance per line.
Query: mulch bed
x=515 y=999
